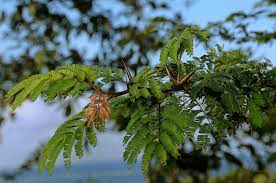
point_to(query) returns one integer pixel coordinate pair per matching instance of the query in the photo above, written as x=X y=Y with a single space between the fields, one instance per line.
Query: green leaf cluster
x=176 y=46
x=70 y=133
x=67 y=81
x=157 y=129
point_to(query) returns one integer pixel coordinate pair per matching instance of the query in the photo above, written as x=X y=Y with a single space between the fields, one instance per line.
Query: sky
x=36 y=122
x=33 y=126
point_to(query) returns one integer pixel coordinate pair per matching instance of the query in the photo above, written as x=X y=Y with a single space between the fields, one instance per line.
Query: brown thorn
x=169 y=74
x=185 y=79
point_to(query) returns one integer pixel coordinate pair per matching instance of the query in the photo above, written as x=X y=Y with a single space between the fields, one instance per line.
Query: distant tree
x=240 y=27
x=162 y=107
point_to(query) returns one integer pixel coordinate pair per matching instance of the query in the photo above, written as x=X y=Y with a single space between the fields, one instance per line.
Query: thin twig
x=112 y=95
x=159 y=115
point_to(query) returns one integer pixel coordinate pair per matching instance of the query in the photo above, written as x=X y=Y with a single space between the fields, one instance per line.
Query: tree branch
x=112 y=95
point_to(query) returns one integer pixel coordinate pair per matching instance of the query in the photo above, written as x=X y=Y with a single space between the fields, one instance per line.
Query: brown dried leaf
x=97 y=110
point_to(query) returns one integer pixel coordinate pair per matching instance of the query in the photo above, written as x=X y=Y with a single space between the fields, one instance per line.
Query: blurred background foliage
x=42 y=35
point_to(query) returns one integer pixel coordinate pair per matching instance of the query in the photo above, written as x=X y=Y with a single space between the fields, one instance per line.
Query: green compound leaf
x=148 y=153
x=256 y=116
x=169 y=144
x=53 y=156
x=68 y=149
x=91 y=135
x=161 y=154
x=79 y=139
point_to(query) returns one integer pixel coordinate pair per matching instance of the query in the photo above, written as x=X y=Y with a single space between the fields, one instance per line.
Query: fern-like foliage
x=161 y=107
x=156 y=127
x=69 y=133
x=175 y=47
x=67 y=81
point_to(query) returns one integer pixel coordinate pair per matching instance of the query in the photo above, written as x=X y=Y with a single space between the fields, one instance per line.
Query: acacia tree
x=163 y=106
x=45 y=27
x=42 y=35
